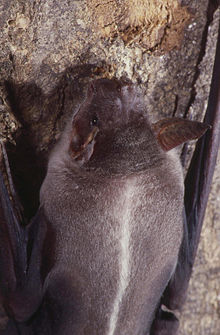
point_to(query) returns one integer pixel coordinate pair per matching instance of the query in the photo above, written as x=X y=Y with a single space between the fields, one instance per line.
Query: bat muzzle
x=82 y=147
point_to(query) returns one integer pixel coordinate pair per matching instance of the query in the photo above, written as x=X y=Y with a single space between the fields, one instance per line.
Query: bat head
x=111 y=107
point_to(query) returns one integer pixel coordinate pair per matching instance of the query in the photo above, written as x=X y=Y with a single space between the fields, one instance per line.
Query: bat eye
x=94 y=121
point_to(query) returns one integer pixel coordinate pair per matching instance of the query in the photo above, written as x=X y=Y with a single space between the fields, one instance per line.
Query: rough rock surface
x=50 y=50
x=201 y=313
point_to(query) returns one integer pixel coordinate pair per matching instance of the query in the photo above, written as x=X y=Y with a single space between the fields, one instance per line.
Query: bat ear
x=171 y=132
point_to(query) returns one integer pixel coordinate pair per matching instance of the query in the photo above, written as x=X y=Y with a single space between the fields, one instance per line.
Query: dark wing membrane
x=197 y=188
x=21 y=248
x=199 y=177
x=13 y=239
x=20 y=264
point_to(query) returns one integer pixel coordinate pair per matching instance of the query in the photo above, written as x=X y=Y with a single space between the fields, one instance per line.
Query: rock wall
x=50 y=50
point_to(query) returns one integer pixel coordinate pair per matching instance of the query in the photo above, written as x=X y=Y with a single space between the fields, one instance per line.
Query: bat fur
x=104 y=244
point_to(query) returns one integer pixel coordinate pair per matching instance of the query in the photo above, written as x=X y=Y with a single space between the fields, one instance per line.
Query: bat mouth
x=91 y=137
x=85 y=150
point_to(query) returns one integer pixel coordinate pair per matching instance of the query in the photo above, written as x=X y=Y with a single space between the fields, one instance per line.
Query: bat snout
x=81 y=144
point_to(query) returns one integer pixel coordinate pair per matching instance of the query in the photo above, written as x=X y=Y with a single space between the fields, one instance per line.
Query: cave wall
x=50 y=50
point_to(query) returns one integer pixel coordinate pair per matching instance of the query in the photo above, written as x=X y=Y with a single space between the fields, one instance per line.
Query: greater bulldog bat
x=111 y=243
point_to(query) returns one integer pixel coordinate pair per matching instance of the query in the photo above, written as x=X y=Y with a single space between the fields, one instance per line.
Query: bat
x=113 y=240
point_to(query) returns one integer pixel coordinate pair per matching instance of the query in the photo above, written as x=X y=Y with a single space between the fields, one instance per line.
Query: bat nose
x=80 y=141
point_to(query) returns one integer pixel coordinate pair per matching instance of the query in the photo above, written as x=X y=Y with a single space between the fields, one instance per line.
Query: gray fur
x=117 y=219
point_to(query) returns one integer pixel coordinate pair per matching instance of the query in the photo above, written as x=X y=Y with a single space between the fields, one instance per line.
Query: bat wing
x=21 y=248
x=197 y=188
